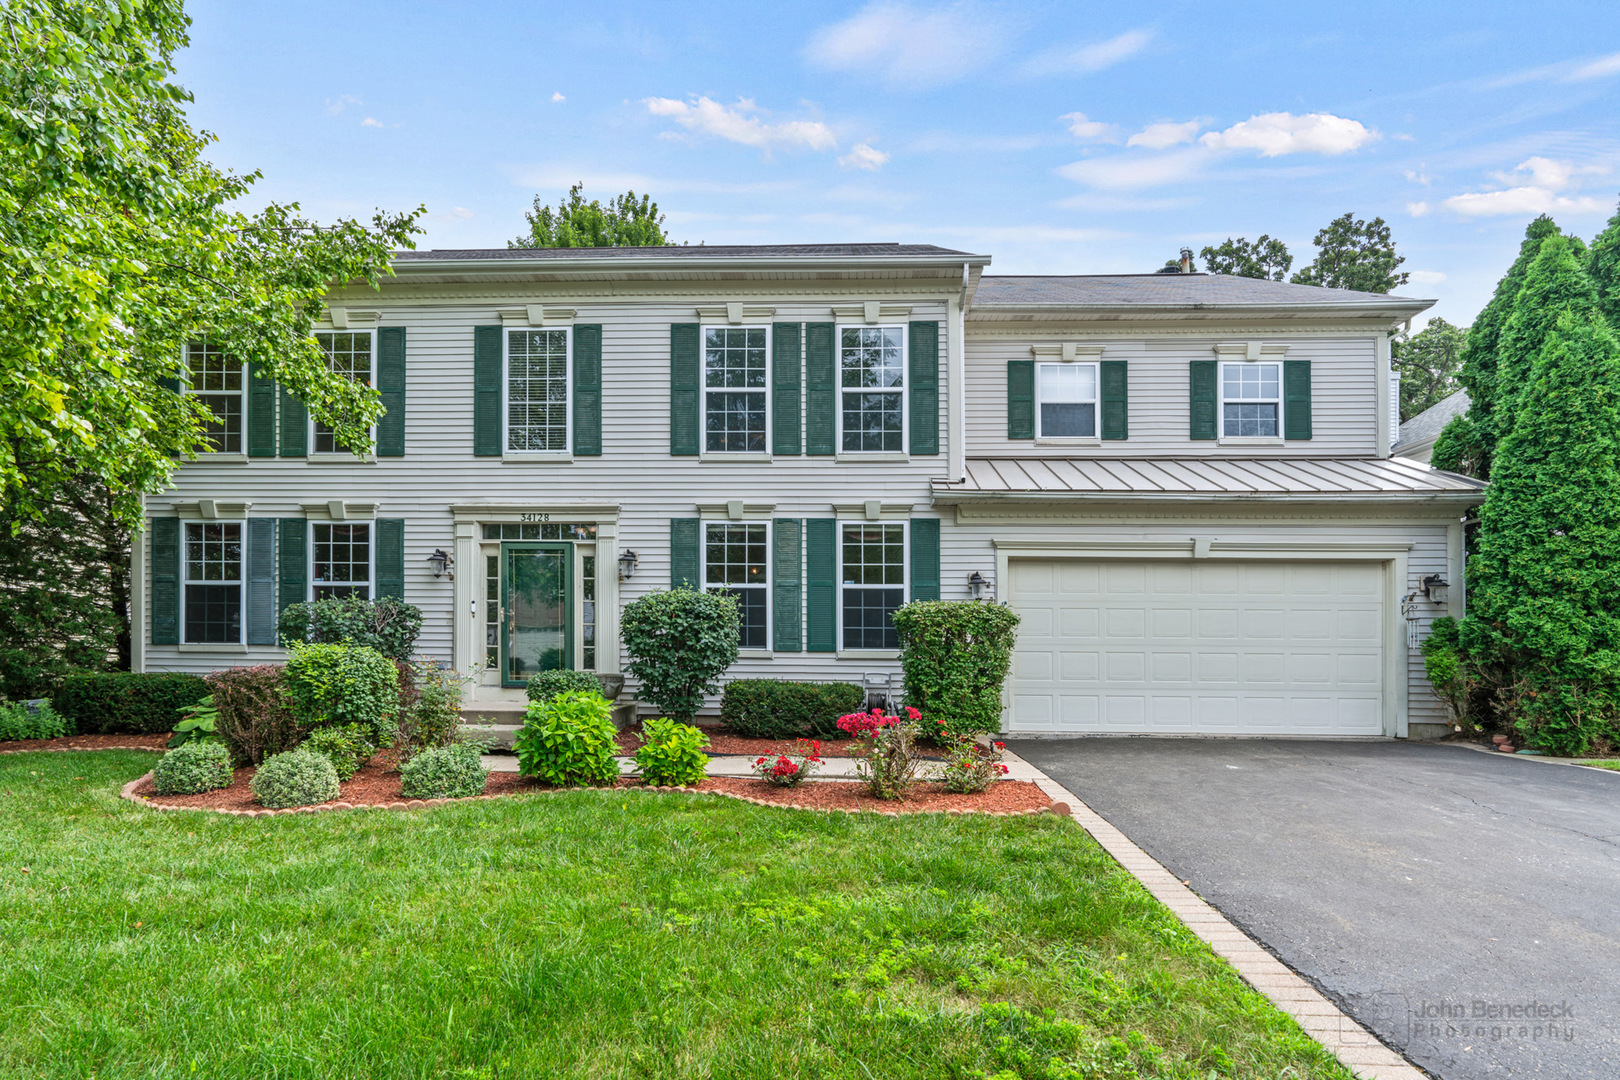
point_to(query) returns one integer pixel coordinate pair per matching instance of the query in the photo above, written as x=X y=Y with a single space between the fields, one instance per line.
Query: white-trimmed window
x=1251 y=400
x=736 y=562
x=340 y=559
x=348 y=352
x=216 y=381
x=872 y=389
x=736 y=384
x=213 y=583
x=872 y=558
x=537 y=378
x=1066 y=399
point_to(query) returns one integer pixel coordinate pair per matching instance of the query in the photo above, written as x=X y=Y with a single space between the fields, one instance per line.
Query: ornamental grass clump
x=886 y=754
x=445 y=772
x=569 y=740
x=190 y=769
x=295 y=778
x=671 y=754
x=790 y=770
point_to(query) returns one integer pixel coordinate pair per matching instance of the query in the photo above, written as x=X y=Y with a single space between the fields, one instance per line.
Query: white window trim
x=905 y=584
x=233 y=456
x=1096 y=404
x=371 y=556
x=1220 y=406
x=241 y=587
x=770 y=589
x=321 y=457
x=704 y=388
x=905 y=390
x=566 y=454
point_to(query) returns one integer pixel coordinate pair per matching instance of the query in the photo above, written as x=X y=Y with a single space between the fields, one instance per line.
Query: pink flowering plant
x=886 y=754
x=790 y=770
x=970 y=767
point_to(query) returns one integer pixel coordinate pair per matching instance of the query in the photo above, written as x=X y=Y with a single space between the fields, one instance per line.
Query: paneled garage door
x=1216 y=647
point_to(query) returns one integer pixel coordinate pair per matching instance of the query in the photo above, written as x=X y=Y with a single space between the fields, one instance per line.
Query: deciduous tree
x=1354 y=254
x=625 y=221
x=1266 y=258
x=1428 y=362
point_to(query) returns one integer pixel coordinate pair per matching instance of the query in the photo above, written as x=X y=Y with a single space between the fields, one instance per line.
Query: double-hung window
x=1251 y=400
x=537 y=391
x=871 y=368
x=736 y=377
x=216 y=381
x=348 y=352
x=874 y=583
x=213 y=582
x=1067 y=394
x=734 y=562
x=340 y=563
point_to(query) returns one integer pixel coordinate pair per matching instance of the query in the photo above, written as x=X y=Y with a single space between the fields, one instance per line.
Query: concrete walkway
x=832 y=768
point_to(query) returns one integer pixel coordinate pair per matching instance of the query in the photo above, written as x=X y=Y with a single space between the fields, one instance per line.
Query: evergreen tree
x=1354 y=254
x=625 y=221
x=1458 y=448
x=1555 y=282
x=1603 y=264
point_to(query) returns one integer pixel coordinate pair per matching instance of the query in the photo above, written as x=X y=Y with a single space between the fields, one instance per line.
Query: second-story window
x=735 y=381
x=216 y=381
x=537 y=391
x=734 y=562
x=341 y=560
x=1068 y=401
x=871 y=363
x=347 y=353
x=1251 y=400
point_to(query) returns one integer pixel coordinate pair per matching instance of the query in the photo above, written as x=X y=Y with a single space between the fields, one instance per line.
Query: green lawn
x=1612 y=764
x=591 y=934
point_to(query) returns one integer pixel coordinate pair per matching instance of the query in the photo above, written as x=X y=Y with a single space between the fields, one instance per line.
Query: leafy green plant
x=671 y=753
x=197 y=722
x=344 y=745
x=545 y=685
x=790 y=769
x=445 y=772
x=344 y=684
x=295 y=778
x=568 y=740
x=253 y=718
x=780 y=709
x=955 y=655
x=192 y=768
x=1448 y=674
x=432 y=715
x=19 y=721
x=970 y=767
x=680 y=642
x=386 y=624
x=116 y=702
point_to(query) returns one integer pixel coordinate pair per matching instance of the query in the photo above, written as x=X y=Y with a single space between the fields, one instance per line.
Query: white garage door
x=1216 y=647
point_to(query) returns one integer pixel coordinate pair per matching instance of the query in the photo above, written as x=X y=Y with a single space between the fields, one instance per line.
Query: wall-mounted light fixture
x=627 y=565
x=976 y=585
x=440 y=561
x=1435 y=588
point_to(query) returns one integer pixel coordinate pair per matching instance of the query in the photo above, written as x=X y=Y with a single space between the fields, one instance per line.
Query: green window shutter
x=166 y=581
x=294 y=568
x=821 y=579
x=924 y=343
x=685 y=551
x=391 y=557
x=487 y=391
x=1202 y=423
x=820 y=390
x=261 y=414
x=391 y=387
x=261 y=581
x=1020 y=399
x=294 y=426
x=1296 y=399
x=786 y=356
x=685 y=373
x=588 y=390
x=1115 y=399
x=925 y=558
x=786 y=580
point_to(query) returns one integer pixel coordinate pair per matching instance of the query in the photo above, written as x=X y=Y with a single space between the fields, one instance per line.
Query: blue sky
x=1056 y=137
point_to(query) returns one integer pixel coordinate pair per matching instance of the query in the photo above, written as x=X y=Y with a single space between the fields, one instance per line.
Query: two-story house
x=1181 y=482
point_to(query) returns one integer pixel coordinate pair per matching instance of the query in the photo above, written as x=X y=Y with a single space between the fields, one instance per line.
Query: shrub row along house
x=1182 y=483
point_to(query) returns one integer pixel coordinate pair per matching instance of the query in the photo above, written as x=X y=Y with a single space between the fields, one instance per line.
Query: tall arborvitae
x=1603 y=264
x=1555 y=282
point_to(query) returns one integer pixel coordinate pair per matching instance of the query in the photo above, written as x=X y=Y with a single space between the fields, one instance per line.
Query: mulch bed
x=89 y=742
x=723 y=742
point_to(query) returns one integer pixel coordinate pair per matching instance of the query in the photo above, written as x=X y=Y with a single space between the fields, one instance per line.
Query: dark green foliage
x=455 y=771
x=295 y=778
x=1554 y=283
x=122 y=701
x=624 y=222
x=198 y=766
x=955 y=655
x=1603 y=265
x=430 y=711
x=1266 y=258
x=344 y=745
x=196 y=723
x=548 y=684
x=1459 y=448
x=1446 y=670
x=671 y=754
x=680 y=642
x=386 y=624
x=779 y=709
x=344 y=684
x=569 y=740
x=18 y=721
x=254 y=721
x=1354 y=254
x=1428 y=362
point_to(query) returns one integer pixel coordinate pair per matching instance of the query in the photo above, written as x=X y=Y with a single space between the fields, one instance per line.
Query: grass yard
x=1612 y=764
x=592 y=934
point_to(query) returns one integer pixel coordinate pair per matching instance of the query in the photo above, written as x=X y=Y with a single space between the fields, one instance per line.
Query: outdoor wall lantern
x=976 y=585
x=439 y=562
x=627 y=565
x=1434 y=587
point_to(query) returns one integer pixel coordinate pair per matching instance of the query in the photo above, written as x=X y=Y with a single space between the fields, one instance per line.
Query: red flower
x=914 y=713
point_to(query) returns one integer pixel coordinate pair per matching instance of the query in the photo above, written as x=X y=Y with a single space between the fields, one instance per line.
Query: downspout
x=956 y=386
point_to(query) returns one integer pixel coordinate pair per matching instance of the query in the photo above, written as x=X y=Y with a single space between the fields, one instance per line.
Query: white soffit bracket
x=870 y=311
x=735 y=510
x=1251 y=350
x=873 y=510
x=734 y=313
x=213 y=509
x=343 y=318
x=1067 y=351
x=340 y=510
x=536 y=315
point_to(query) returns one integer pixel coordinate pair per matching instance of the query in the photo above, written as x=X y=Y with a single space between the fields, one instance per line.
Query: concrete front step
x=500 y=720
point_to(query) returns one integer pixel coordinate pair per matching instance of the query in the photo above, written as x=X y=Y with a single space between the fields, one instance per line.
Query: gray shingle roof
x=1165 y=290
x=1428 y=423
x=706 y=251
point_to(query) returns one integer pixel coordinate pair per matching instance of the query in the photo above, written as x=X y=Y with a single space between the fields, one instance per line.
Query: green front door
x=537 y=604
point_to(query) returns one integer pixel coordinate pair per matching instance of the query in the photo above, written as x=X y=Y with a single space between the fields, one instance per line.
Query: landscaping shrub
x=201 y=721
x=193 y=768
x=955 y=655
x=18 y=721
x=444 y=772
x=969 y=767
x=344 y=684
x=886 y=755
x=254 y=720
x=680 y=642
x=779 y=709
x=120 y=702
x=671 y=754
x=548 y=684
x=386 y=624
x=295 y=778
x=568 y=740
x=432 y=716
x=344 y=745
x=790 y=770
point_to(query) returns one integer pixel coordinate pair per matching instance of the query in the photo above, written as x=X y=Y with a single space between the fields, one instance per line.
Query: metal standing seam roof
x=687 y=251
x=1168 y=290
x=1144 y=478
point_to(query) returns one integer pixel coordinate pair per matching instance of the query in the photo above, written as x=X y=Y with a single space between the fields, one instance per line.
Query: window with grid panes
x=213 y=582
x=734 y=562
x=1251 y=400
x=340 y=560
x=1068 y=400
x=872 y=381
x=549 y=530
x=492 y=612
x=735 y=379
x=347 y=353
x=874 y=583
x=587 y=581
x=537 y=390
x=216 y=381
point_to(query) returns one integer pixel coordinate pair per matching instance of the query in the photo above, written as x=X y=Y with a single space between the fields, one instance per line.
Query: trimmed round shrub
x=779 y=709
x=444 y=772
x=548 y=684
x=295 y=778
x=344 y=684
x=671 y=754
x=955 y=655
x=346 y=747
x=569 y=740
x=195 y=767
x=680 y=642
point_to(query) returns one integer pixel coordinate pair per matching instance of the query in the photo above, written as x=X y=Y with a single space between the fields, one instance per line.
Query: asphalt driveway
x=1425 y=888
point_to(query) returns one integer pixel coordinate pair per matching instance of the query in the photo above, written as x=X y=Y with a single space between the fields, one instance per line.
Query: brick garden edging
x=81 y=749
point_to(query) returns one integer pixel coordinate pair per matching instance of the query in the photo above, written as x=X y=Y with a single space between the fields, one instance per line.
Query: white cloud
x=863 y=156
x=1082 y=128
x=558 y=96
x=739 y=124
x=1427 y=277
x=371 y=121
x=1417 y=209
x=1124 y=172
x=1096 y=56
x=338 y=104
x=1275 y=134
x=1600 y=68
x=1164 y=135
x=1419 y=176
x=910 y=46
x=1538 y=185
